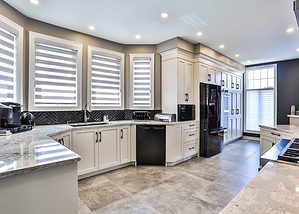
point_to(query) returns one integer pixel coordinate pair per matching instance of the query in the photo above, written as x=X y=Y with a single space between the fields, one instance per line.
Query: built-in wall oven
x=186 y=112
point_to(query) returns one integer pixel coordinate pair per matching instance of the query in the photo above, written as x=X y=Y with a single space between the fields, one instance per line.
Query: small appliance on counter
x=186 y=112
x=141 y=115
x=165 y=117
x=12 y=120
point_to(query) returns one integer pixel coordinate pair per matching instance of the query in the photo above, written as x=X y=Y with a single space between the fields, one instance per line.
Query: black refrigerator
x=211 y=132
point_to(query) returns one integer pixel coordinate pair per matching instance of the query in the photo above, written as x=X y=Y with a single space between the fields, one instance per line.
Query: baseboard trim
x=170 y=164
x=251 y=138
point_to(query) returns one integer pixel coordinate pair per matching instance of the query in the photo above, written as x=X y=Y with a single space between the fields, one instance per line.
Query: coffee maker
x=10 y=114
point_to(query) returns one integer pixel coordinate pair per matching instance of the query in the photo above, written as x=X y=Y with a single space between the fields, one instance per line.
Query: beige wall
x=44 y=28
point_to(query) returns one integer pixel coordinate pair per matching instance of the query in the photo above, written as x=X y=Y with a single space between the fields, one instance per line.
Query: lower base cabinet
x=101 y=148
x=64 y=139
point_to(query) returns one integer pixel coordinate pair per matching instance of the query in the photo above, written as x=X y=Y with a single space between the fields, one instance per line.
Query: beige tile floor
x=201 y=185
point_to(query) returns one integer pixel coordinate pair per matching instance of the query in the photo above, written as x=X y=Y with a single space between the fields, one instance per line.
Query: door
x=125 y=144
x=108 y=148
x=188 y=72
x=182 y=95
x=233 y=81
x=174 y=143
x=223 y=80
x=233 y=103
x=66 y=139
x=85 y=144
x=239 y=83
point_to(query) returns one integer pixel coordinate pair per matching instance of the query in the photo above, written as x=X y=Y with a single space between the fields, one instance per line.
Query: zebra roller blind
x=55 y=75
x=7 y=66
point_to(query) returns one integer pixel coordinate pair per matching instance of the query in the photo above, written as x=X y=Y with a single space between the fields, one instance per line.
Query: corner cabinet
x=177 y=79
x=64 y=139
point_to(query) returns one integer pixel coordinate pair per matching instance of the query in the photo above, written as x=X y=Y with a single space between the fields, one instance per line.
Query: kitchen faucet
x=86 y=118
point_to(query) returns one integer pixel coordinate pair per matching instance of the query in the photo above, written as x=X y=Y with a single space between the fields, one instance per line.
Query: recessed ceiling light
x=290 y=30
x=164 y=15
x=34 y=2
x=248 y=61
x=221 y=46
x=138 y=36
x=199 y=34
x=91 y=27
x=297 y=49
x=237 y=55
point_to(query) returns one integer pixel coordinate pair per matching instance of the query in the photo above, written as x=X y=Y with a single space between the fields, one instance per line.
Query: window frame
x=94 y=49
x=18 y=30
x=131 y=93
x=33 y=37
x=245 y=94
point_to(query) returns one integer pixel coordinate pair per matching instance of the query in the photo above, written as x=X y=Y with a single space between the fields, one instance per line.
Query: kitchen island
x=37 y=174
x=274 y=190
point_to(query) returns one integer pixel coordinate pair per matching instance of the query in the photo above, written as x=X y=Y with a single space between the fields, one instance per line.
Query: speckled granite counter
x=291 y=129
x=274 y=190
x=33 y=150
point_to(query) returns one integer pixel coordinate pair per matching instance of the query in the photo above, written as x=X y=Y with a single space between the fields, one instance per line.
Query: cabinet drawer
x=275 y=134
x=190 y=149
x=191 y=135
x=191 y=125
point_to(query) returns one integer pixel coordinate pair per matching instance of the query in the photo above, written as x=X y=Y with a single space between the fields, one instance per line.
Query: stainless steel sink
x=88 y=124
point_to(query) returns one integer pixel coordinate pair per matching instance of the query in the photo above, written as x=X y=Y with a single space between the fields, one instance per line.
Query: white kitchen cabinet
x=239 y=84
x=108 y=147
x=238 y=103
x=218 y=78
x=174 y=144
x=125 y=144
x=209 y=75
x=185 y=83
x=64 y=139
x=85 y=144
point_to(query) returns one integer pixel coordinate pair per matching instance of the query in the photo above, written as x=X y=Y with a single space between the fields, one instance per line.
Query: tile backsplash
x=62 y=117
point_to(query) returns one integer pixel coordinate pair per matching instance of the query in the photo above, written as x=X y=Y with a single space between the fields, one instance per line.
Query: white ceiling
x=256 y=29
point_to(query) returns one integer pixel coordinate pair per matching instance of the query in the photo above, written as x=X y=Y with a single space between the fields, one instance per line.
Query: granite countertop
x=34 y=150
x=292 y=129
x=274 y=190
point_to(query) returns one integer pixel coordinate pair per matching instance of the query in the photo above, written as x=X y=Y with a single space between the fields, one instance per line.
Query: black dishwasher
x=150 y=144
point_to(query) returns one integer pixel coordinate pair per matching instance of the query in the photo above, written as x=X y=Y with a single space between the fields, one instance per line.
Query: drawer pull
x=191 y=125
x=192 y=148
x=275 y=134
x=190 y=135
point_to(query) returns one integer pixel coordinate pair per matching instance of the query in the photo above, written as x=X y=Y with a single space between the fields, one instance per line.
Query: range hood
x=296 y=10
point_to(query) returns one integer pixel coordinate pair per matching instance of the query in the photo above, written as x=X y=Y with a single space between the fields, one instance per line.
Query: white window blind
x=142 y=81
x=260 y=97
x=7 y=66
x=106 y=80
x=55 y=75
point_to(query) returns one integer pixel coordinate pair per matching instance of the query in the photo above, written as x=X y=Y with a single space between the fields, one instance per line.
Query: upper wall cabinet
x=177 y=79
x=209 y=74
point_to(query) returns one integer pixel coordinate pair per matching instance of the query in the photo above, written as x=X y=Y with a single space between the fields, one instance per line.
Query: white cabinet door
x=174 y=143
x=239 y=83
x=125 y=144
x=238 y=103
x=239 y=127
x=182 y=95
x=67 y=139
x=266 y=144
x=218 y=78
x=108 y=148
x=229 y=81
x=223 y=80
x=188 y=71
x=233 y=81
x=233 y=105
x=85 y=145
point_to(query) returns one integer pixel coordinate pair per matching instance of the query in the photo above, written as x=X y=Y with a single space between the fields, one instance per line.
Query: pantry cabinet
x=185 y=83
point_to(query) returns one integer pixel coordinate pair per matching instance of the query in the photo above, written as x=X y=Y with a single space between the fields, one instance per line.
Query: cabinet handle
x=237 y=111
x=222 y=83
x=191 y=125
x=237 y=86
x=186 y=97
x=209 y=77
x=100 y=137
x=62 y=141
x=233 y=85
x=97 y=134
x=59 y=140
x=191 y=148
x=233 y=111
x=121 y=134
x=275 y=134
x=190 y=135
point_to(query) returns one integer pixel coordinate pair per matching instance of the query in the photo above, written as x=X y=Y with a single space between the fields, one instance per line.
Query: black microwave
x=186 y=112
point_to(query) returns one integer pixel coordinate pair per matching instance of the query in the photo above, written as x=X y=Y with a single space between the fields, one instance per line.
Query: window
x=55 y=73
x=260 y=97
x=11 y=54
x=106 y=71
x=142 y=81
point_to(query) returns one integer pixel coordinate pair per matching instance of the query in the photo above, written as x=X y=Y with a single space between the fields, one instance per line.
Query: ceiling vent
x=296 y=9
